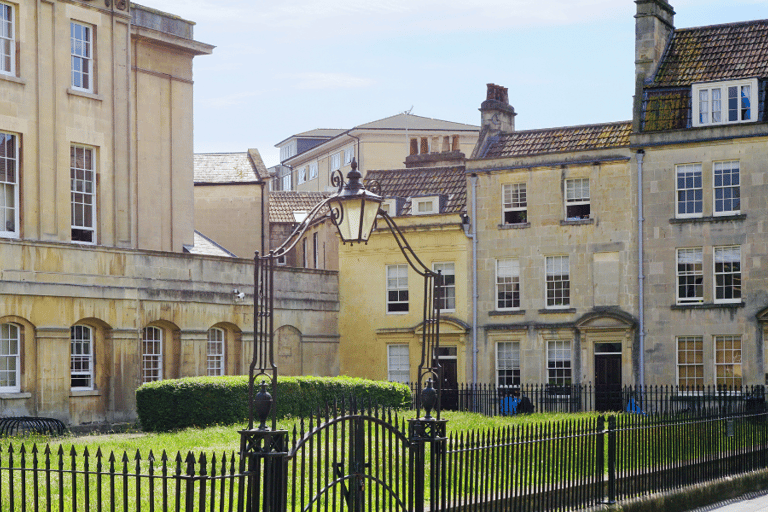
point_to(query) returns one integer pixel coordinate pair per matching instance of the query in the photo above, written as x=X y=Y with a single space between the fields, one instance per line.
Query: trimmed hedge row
x=203 y=401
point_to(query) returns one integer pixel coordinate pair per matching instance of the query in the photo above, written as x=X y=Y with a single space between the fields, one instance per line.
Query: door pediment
x=606 y=320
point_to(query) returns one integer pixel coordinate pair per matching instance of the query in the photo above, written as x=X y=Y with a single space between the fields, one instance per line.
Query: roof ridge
x=591 y=125
x=721 y=25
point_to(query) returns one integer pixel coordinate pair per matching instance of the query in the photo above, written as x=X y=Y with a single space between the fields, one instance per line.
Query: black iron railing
x=363 y=460
x=490 y=400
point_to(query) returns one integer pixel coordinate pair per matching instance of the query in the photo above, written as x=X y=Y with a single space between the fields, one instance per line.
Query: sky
x=282 y=67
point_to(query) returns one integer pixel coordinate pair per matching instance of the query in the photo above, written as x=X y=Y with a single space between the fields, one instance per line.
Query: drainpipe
x=263 y=189
x=359 y=152
x=640 y=275
x=473 y=236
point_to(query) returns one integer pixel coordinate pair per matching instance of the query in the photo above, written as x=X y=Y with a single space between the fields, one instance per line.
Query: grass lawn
x=226 y=438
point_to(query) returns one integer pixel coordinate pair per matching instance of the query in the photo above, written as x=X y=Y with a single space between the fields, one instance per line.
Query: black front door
x=449 y=388
x=608 y=377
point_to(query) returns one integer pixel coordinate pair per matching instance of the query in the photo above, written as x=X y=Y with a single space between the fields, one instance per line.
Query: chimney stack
x=496 y=112
x=654 y=25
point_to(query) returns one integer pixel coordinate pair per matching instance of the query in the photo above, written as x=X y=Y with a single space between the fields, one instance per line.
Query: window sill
x=708 y=305
x=555 y=311
x=577 y=222
x=398 y=312
x=15 y=396
x=507 y=312
x=84 y=94
x=85 y=392
x=719 y=218
x=13 y=78
x=521 y=225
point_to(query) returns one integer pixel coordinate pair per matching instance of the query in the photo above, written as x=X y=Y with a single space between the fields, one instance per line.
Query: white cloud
x=315 y=80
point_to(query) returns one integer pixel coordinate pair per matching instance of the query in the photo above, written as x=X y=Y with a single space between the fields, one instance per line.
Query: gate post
x=420 y=432
x=266 y=452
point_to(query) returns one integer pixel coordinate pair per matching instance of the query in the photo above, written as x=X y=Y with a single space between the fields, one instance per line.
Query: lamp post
x=353 y=209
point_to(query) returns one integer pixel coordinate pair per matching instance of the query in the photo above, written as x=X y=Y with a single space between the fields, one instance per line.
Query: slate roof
x=412 y=122
x=207 y=247
x=282 y=204
x=228 y=168
x=559 y=140
x=448 y=182
x=716 y=52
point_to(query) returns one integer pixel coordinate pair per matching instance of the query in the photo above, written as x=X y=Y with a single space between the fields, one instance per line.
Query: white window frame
x=288 y=151
x=577 y=194
x=727 y=274
x=728 y=369
x=559 y=363
x=557 y=270
x=389 y=206
x=151 y=354
x=9 y=185
x=83 y=193
x=514 y=200
x=690 y=363
x=349 y=155
x=7 y=39
x=397 y=289
x=447 y=303
x=729 y=175
x=301 y=175
x=81 y=357
x=398 y=363
x=216 y=352
x=689 y=271
x=285 y=181
x=706 y=111
x=507 y=281
x=689 y=191
x=81 y=49
x=313 y=170
x=10 y=358
x=431 y=205
x=507 y=364
x=335 y=161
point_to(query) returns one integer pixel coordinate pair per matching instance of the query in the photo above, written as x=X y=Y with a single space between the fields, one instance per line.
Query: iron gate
x=351 y=461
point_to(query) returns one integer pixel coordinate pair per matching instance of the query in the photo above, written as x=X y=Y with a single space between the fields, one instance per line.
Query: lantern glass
x=357 y=215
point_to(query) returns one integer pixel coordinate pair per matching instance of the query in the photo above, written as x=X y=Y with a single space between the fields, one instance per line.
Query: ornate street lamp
x=353 y=210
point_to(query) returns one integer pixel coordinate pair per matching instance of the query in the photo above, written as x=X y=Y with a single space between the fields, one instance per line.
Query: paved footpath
x=752 y=502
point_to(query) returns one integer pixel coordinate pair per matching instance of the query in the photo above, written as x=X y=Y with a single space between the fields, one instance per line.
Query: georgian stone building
x=103 y=282
x=556 y=260
x=701 y=141
x=566 y=215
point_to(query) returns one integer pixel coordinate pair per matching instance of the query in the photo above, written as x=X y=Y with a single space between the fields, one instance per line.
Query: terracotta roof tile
x=716 y=52
x=282 y=204
x=560 y=140
x=449 y=182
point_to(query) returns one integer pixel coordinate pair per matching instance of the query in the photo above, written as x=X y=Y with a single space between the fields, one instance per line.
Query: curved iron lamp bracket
x=429 y=366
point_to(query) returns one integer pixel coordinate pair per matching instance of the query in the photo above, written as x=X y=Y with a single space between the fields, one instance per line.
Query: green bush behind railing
x=204 y=401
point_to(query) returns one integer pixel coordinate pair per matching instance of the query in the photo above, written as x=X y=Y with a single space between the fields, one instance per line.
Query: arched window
x=10 y=362
x=216 y=352
x=152 y=355
x=81 y=357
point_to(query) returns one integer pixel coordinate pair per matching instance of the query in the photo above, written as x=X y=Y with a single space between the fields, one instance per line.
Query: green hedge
x=202 y=401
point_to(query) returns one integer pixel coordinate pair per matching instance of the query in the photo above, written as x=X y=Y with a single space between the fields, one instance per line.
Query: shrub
x=203 y=401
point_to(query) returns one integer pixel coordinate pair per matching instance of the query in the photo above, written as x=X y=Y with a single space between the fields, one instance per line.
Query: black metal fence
x=491 y=400
x=37 y=479
x=360 y=460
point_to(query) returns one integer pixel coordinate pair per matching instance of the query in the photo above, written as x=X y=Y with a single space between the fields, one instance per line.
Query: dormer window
x=425 y=205
x=389 y=206
x=725 y=102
